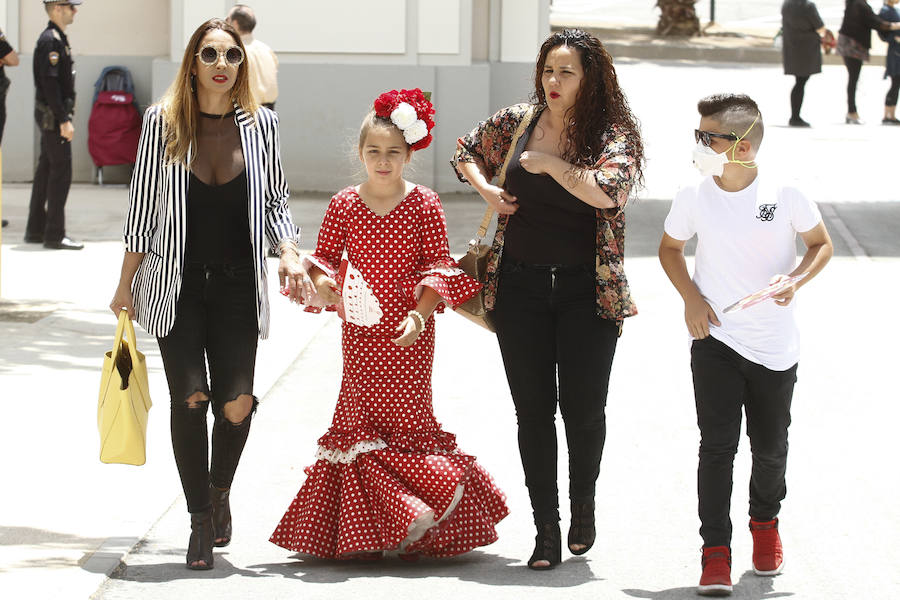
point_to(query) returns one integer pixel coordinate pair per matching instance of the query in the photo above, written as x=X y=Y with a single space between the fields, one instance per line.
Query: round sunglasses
x=209 y=55
x=705 y=137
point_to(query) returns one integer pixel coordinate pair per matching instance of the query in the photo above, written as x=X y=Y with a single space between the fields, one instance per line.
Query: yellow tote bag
x=124 y=400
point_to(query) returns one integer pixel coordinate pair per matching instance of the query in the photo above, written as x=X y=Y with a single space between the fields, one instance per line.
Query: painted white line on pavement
x=856 y=248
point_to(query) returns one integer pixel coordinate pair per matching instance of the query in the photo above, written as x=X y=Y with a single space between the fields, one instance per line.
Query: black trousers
x=215 y=323
x=854 y=66
x=50 y=189
x=891 y=98
x=556 y=350
x=724 y=383
x=797 y=93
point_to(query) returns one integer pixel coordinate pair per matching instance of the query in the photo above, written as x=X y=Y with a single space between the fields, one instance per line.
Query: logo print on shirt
x=766 y=212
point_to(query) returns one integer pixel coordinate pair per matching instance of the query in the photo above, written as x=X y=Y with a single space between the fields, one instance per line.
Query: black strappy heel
x=582 y=531
x=200 y=545
x=547 y=546
x=221 y=516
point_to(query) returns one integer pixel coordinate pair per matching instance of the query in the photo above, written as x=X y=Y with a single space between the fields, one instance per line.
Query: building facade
x=475 y=56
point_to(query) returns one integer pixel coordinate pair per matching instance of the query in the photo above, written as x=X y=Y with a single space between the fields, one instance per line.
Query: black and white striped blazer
x=157 y=216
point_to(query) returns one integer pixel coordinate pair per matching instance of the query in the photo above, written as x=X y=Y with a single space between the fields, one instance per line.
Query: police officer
x=54 y=108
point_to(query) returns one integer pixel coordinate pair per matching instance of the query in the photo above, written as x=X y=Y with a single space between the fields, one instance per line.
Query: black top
x=54 y=72
x=860 y=20
x=551 y=226
x=218 y=222
x=801 y=45
x=5 y=49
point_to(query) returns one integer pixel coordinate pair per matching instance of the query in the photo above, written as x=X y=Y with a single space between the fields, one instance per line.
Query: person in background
x=892 y=62
x=854 y=41
x=262 y=59
x=8 y=58
x=54 y=109
x=802 y=29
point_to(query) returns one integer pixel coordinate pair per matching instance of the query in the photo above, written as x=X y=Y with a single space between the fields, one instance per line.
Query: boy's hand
x=784 y=297
x=698 y=315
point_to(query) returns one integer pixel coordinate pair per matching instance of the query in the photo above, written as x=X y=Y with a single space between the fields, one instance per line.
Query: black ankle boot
x=200 y=546
x=582 y=530
x=221 y=516
x=547 y=546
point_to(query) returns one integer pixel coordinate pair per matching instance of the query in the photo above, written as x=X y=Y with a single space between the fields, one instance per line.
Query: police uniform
x=54 y=104
x=5 y=49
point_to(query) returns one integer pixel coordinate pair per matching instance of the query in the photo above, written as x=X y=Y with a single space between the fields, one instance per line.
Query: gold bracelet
x=418 y=317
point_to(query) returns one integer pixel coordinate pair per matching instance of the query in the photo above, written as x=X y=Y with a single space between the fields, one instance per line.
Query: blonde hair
x=178 y=105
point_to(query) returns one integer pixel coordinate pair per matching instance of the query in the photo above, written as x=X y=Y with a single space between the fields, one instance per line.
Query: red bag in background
x=114 y=129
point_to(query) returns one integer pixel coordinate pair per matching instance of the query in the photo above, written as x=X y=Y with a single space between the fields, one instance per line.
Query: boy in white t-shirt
x=746 y=228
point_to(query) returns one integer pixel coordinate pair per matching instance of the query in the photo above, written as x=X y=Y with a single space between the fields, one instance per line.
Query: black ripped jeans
x=556 y=350
x=215 y=323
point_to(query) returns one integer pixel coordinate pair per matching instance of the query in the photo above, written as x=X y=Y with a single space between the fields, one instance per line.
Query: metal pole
x=712 y=11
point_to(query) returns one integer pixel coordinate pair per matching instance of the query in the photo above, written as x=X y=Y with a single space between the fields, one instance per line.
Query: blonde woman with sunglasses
x=208 y=190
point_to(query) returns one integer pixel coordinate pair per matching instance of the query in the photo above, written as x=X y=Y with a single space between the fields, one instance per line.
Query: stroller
x=115 y=123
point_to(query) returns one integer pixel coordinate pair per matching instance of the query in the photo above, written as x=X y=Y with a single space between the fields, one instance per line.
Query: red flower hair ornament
x=410 y=111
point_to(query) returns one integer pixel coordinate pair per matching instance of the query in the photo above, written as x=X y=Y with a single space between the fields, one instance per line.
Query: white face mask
x=708 y=161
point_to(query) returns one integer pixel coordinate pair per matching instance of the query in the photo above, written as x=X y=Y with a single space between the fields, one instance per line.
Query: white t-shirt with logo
x=743 y=239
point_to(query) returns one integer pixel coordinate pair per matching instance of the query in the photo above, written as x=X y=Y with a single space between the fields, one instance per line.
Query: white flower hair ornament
x=410 y=111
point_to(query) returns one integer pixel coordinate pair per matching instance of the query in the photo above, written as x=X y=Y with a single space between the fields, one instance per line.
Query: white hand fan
x=358 y=303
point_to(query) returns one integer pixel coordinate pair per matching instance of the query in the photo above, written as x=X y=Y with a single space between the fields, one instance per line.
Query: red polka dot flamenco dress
x=386 y=476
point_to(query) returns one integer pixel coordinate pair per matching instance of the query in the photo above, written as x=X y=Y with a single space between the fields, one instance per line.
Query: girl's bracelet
x=419 y=318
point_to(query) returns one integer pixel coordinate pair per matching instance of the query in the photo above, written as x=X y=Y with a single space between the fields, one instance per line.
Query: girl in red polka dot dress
x=387 y=477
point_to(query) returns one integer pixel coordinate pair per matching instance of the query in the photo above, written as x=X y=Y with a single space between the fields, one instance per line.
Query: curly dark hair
x=600 y=102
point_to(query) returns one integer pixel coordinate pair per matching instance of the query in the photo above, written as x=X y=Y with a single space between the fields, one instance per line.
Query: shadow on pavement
x=477 y=567
x=43 y=538
x=177 y=571
x=750 y=587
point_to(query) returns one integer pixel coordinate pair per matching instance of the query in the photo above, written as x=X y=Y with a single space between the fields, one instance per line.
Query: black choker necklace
x=209 y=116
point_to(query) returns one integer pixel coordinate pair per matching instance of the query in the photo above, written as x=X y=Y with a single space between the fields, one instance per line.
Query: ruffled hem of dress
x=388 y=500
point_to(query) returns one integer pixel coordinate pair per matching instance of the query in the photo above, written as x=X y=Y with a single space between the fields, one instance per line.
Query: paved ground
x=66 y=520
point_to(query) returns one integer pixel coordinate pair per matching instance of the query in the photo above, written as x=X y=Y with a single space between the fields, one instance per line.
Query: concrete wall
x=323 y=95
x=103 y=27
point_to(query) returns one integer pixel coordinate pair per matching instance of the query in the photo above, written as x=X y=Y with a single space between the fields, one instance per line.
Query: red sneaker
x=716 y=578
x=768 y=557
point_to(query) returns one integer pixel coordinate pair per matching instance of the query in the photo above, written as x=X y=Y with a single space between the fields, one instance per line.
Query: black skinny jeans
x=549 y=332
x=725 y=382
x=854 y=66
x=891 y=98
x=215 y=322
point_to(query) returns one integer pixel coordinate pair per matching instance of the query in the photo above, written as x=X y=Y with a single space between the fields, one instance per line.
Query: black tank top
x=551 y=225
x=218 y=230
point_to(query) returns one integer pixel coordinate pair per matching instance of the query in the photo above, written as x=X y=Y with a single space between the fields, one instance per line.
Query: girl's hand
x=499 y=199
x=293 y=276
x=122 y=299
x=327 y=289
x=784 y=297
x=536 y=163
x=410 y=328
